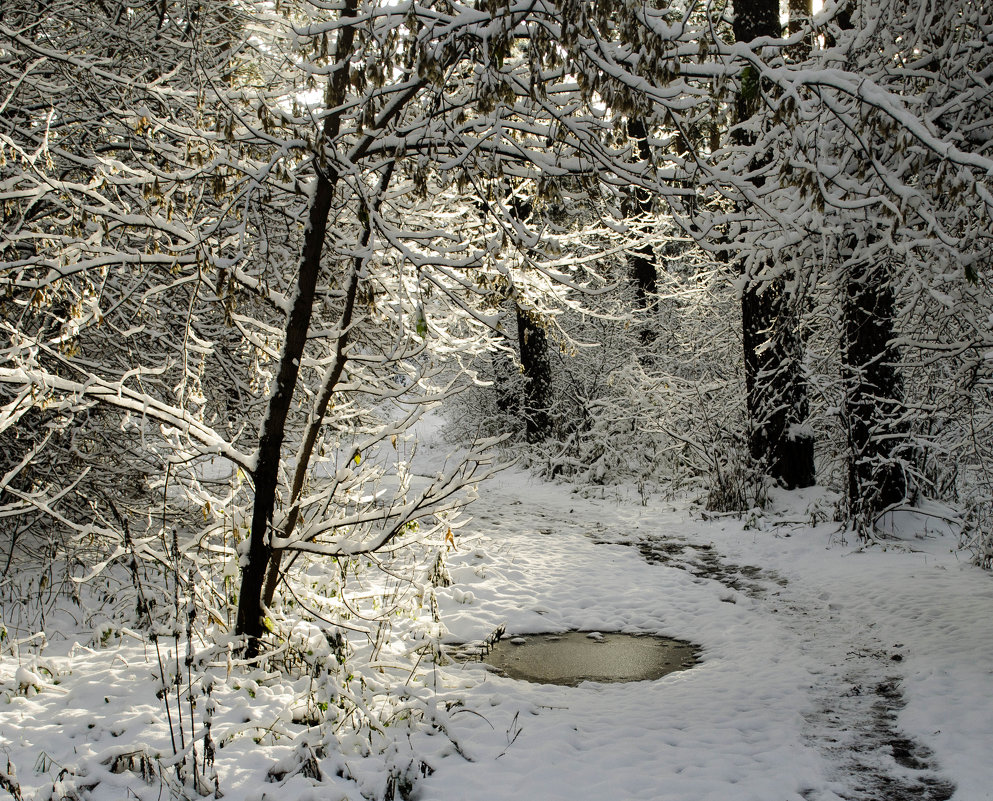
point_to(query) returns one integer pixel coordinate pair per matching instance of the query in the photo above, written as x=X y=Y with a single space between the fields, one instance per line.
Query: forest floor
x=827 y=671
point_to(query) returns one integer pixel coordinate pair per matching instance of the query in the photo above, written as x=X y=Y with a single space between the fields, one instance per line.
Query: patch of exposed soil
x=703 y=561
x=874 y=760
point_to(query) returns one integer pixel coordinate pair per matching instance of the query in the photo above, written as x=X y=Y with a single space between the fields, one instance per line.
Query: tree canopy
x=270 y=236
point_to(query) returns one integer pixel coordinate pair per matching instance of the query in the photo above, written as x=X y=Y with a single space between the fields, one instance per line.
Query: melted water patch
x=577 y=656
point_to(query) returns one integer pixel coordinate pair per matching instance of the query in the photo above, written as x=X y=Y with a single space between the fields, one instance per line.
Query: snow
x=819 y=620
x=828 y=671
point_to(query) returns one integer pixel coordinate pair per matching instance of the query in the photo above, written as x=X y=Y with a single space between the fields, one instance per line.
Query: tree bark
x=532 y=343
x=756 y=18
x=775 y=384
x=506 y=376
x=642 y=260
x=266 y=473
x=873 y=386
x=537 y=368
x=877 y=432
x=800 y=14
x=328 y=386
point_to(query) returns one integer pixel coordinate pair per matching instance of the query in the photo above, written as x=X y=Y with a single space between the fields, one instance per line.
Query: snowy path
x=826 y=674
x=858 y=693
x=858 y=697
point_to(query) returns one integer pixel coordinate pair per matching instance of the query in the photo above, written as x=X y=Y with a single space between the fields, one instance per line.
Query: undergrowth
x=341 y=697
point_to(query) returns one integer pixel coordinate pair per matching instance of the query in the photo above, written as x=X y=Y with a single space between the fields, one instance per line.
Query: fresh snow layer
x=823 y=666
x=827 y=672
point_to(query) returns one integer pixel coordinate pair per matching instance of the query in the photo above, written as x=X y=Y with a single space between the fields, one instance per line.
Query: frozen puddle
x=577 y=656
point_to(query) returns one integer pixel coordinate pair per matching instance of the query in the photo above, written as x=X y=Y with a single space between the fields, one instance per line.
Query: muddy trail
x=853 y=720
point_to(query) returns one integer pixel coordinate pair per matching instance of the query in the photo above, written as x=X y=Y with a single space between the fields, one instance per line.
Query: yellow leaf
x=358 y=457
x=450 y=539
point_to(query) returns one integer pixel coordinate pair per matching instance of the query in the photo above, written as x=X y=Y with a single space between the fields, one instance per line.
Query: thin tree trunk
x=331 y=379
x=266 y=473
x=328 y=386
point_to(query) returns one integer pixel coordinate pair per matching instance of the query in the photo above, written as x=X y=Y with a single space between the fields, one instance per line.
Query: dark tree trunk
x=877 y=431
x=756 y=18
x=266 y=473
x=645 y=275
x=313 y=430
x=506 y=376
x=328 y=386
x=775 y=383
x=873 y=386
x=508 y=401
x=532 y=343
x=642 y=260
x=537 y=368
x=800 y=14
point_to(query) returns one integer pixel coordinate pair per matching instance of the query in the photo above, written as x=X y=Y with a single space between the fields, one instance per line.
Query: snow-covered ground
x=826 y=672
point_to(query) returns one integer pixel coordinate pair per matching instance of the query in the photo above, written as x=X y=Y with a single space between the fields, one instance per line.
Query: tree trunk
x=642 y=260
x=775 y=384
x=506 y=376
x=329 y=384
x=873 y=387
x=800 y=14
x=266 y=473
x=756 y=18
x=537 y=368
x=877 y=432
x=532 y=343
